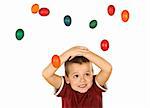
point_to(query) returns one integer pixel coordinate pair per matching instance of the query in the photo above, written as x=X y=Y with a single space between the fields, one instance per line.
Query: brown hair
x=77 y=59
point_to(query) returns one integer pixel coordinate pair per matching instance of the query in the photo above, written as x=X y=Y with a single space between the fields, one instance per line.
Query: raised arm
x=50 y=76
x=106 y=68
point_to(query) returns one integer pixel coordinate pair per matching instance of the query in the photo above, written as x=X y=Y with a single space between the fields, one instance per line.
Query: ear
x=67 y=79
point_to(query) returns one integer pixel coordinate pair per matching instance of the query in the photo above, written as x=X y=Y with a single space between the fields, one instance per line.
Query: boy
x=79 y=88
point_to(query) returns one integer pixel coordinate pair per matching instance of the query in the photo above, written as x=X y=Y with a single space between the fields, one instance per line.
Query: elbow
x=110 y=69
x=44 y=74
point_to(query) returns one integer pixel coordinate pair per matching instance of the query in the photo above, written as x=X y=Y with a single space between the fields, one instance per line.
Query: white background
x=21 y=62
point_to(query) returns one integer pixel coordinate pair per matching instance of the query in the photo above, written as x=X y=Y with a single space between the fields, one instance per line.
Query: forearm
x=50 y=69
x=99 y=61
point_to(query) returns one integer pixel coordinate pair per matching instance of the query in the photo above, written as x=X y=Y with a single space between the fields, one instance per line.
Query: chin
x=82 y=91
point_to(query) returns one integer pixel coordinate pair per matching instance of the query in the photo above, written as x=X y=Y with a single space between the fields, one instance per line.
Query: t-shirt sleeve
x=61 y=92
x=98 y=87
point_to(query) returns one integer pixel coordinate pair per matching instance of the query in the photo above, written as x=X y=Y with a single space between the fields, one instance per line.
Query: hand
x=76 y=51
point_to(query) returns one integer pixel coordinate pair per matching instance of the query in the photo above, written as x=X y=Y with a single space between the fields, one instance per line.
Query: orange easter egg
x=125 y=15
x=56 y=61
x=35 y=8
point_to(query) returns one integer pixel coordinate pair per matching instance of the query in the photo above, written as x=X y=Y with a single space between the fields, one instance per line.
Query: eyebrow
x=78 y=72
x=88 y=71
x=74 y=73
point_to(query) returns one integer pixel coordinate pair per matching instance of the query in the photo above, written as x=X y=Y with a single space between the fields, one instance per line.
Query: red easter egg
x=44 y=11
x=111 y=10
x=125 y=15
x=104 y=45
x=56 y=61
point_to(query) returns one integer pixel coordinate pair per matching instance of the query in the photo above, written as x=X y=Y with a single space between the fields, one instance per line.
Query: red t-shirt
x=73 y=99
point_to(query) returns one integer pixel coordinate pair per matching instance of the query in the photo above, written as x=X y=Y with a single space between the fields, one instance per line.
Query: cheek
x=89 y=79
x=74 y=81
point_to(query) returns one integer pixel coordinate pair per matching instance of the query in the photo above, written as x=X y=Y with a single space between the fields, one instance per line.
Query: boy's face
x=80 y=76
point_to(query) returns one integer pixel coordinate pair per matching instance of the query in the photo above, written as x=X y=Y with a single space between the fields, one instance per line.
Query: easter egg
x=93 y=24
x=111 y=10
x=104 y=45
x=67 y=20
x=56 y=61
x=125 y=15
x=35 y=8
x=44 y=11
x=19 y=34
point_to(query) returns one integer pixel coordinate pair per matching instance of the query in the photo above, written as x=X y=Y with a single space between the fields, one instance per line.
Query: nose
x=82 y=79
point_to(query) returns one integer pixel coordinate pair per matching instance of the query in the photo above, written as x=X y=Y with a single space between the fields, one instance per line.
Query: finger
x=71 y=57
x=80 y=47
x=75 y=56
x=84 y=48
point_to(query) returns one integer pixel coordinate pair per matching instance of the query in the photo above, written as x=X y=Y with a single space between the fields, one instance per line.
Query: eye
x=87 y=74
x=75 y=76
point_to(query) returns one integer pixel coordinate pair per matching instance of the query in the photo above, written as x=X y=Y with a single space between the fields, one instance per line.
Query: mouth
x=82 y=85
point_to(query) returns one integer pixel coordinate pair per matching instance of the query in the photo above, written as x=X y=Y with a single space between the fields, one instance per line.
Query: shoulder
x=64 y=89
x=98 y=88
